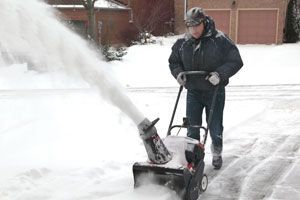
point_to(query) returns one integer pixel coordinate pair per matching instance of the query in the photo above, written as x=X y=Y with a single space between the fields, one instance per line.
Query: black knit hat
x=194 y=16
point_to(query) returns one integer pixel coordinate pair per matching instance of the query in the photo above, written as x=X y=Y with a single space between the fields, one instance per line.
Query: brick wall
x=142 y=9
x=117 y=25
x=125 y=2
x=73 y=14
x=179 y=10
x=113 y=26
x=163 y=11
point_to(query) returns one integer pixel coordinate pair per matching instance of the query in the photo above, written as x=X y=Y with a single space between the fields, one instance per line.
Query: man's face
x=196 y=31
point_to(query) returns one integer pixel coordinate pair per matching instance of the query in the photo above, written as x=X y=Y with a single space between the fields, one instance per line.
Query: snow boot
x=217 y=162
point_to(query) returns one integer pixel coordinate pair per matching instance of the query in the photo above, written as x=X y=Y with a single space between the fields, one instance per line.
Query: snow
x=107 y=4
x=63 y=134
x=98 y=4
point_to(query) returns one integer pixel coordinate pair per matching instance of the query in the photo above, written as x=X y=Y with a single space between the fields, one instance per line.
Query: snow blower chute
x=176 y=161
x=155 y=148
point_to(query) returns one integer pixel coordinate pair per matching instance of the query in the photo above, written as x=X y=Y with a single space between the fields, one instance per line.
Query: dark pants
x=197 y=100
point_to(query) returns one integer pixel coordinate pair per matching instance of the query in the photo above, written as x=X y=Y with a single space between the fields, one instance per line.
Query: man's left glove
x=181 y=78
x=213 y=78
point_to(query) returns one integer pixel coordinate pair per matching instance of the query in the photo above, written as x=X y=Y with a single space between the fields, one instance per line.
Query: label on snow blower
x=155 y=148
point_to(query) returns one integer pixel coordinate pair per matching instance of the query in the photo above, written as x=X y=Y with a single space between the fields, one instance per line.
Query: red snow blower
x=176 y=161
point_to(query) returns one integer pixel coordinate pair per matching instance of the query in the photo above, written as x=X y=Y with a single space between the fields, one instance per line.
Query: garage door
x=221 y=18
x=257 y=26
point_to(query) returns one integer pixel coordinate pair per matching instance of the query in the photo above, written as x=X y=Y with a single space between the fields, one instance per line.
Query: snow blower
x=179 y=163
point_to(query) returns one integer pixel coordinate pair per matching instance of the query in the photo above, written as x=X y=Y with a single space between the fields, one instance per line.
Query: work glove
x=181 y=78
x=213 y=78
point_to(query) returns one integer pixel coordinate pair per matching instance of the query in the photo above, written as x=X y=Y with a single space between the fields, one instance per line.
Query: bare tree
x=90 y=7
x=151 y=15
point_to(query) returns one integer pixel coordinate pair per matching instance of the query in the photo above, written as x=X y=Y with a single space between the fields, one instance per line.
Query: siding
x=281 y=5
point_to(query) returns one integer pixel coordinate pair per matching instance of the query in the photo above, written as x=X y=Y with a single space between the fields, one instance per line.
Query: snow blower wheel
x=195 y=191
x=203 y=185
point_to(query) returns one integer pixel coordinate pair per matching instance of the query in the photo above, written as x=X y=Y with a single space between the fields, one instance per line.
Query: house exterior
x=156 y=15
x=244 y=21
x=118 y=22
x=113 y=20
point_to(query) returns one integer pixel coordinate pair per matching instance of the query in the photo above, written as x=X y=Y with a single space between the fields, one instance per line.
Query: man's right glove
x=181 y=78
x=213 y=78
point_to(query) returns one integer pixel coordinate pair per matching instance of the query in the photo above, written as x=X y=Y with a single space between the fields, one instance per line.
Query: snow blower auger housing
x=184 y=172
x=187 y=178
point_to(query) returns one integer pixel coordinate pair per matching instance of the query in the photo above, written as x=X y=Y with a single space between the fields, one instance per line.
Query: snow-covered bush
x=145 y=38
x=297 y=24
x=292 y=24
x=111 y=53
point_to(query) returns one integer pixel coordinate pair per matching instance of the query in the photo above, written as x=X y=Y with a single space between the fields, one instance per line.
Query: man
x=205 y=49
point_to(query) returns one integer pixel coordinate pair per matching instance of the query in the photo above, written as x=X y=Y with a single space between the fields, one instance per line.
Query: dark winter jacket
x=214 y=51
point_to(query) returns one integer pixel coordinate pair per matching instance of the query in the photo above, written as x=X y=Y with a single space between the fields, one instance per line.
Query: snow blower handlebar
x=179 y=93
x=195 y=73
x=155 y=148
x=204 y=73
x=174 y=111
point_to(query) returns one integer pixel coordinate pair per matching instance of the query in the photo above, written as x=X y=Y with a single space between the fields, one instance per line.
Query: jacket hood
x=209 y=28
